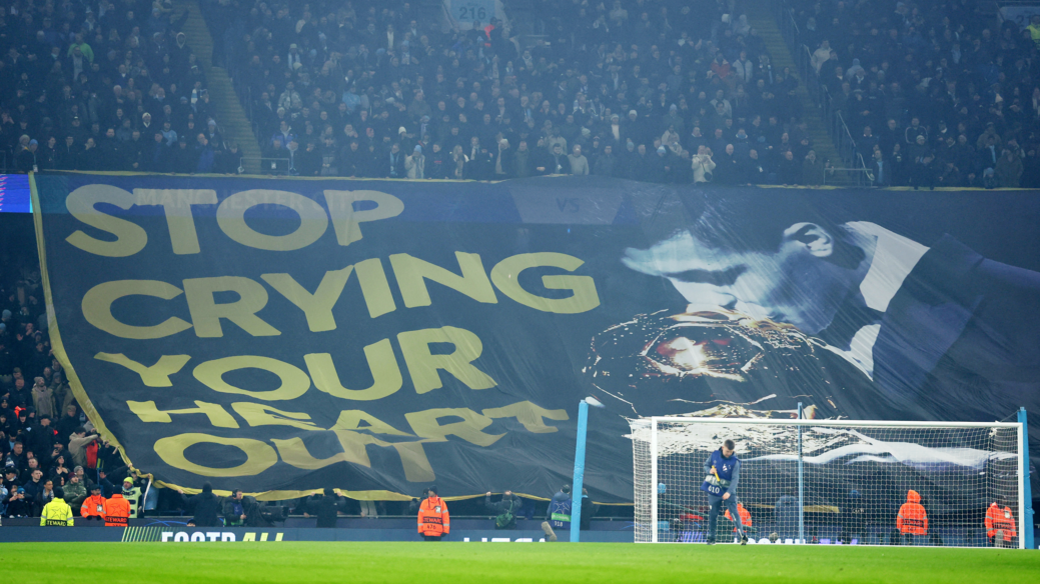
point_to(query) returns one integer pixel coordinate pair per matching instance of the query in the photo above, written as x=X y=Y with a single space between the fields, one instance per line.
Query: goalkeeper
x=723 y=474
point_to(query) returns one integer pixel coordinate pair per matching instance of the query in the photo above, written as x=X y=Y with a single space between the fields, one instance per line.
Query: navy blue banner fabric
x=286 y=335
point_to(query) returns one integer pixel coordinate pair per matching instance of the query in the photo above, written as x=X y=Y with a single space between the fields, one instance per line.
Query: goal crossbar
x=835 y=423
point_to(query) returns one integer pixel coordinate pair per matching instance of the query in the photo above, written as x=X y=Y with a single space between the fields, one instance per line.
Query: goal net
x=834 y=482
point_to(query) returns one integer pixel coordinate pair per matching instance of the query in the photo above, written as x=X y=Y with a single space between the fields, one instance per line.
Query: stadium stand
x=640 y=90
x=950 y=94
x=103 y=86
x=926 y=94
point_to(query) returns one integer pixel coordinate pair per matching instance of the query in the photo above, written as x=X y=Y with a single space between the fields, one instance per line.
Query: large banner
x=284 y=335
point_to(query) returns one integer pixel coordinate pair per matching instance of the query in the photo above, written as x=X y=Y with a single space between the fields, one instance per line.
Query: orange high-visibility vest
x=93 y=507
x=1000 y=519
x=912 y=516
x=117 y=511
x=433 y=517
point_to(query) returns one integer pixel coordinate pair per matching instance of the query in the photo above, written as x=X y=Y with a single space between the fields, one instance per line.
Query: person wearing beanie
x=206 y=506
x=57 y=513
x=415 y=165
x=93 y=508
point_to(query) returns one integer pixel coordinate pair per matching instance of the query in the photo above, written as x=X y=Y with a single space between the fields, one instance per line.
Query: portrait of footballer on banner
x=791 y=298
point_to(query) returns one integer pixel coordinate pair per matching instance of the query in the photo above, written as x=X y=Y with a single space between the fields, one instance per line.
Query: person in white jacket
x=822 y=55
x=702 y=165
x=415 y=165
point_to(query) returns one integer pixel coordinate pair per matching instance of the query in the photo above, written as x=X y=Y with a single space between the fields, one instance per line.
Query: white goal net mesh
x=881 y=484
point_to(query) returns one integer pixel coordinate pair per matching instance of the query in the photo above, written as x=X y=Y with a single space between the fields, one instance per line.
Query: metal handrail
x=818 y=92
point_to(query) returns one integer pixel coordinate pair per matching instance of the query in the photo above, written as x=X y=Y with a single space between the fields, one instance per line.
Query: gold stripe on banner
x=55 y=335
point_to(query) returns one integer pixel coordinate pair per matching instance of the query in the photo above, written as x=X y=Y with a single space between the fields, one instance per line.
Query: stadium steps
x=760 y=16
x=229 y=113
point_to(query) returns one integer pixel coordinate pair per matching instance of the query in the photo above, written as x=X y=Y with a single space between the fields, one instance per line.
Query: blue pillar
x=1027 y=512
x=579 y=471
x=801 y=484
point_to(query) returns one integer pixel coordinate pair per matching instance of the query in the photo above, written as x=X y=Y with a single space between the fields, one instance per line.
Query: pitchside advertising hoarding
x=287 y=335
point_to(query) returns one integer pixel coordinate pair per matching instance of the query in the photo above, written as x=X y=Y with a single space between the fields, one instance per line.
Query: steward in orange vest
x=93 y=508
x=117 y=511
x=912 y=519
x=434 y=521
x=1000 y=525
x=745 y=516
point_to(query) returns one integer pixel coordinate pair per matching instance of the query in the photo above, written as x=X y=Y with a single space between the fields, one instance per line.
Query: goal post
x=849 y=482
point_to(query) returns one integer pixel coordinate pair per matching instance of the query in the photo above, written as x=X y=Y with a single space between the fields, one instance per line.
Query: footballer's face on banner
x=794 y=284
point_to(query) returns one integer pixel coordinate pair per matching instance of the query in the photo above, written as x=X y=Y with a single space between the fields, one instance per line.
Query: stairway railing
x=818 y=92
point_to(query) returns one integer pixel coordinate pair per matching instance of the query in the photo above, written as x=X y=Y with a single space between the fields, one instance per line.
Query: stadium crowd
x=933 y=93
x=46 y=441
x=666 y=91
x=104 y=85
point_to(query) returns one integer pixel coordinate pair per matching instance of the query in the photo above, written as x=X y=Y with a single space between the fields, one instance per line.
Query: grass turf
x=465 y=563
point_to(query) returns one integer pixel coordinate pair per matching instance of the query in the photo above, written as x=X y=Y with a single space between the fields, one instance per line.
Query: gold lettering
x=97 y=308
x=506 y=276
x=259 y=455
x=130 y=237
x=316 y=307
x=232 y=221
x=386 y=375
x=157 y=375
x=412 y=273
x=375 y=287
x=215 y=412
x=352 y=419
x=529 y=415
x=294 y=381
x=294 y=452
x=264 y=415
x=417 y=466
x=426 y=424
x=176 y=204
x=347 y=222
x=206 y=312
x=423 y=365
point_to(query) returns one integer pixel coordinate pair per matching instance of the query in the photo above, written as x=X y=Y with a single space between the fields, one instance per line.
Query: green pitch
x=494 y=563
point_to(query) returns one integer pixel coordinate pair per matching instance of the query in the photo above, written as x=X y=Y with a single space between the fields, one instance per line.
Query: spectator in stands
x=206 y=506
x=78 y=442
x=415 y=164
x=242 y=510
x=327 y=508
x=44 y=496
x=34 y=485
x=504 y=509
x=19 y=505
x=813 y=170
x=578 y=163
x=1009 y=169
